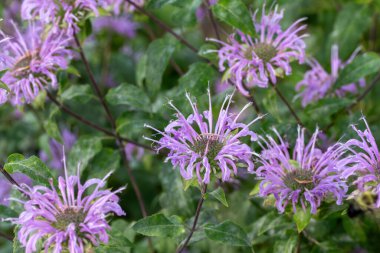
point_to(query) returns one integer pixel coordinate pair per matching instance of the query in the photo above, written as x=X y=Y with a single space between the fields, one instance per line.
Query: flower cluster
x=31 y=59
x=364 y=162
x=257 y=61
x=60 y=13
x=195 y=143
x=67 y=217
x=318 y=83
x=306 y=177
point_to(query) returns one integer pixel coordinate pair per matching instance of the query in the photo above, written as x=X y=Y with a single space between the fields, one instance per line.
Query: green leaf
x=362 y=66
x=355 y=229
x=158 y=225
x=4 y=86
x=219 y=195
x=324 y=108
x=7 y=212
x=79 y=93
x=234 y=13
x=197 y=78
x=52 y=130
x=227 y=233
x=118 y=238
x=141 y=70
x=302 y=218
x=158 y=53
x=105 y=161
x=33 y=167
x=131 y=95
x=82 y=152
x=286 y=246
x=350 y=25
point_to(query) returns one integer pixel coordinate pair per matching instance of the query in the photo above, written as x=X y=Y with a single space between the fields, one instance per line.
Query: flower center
x=22 y=66
x=208 y=145
x=68 y=216
x=299 y=179
x=264 y=51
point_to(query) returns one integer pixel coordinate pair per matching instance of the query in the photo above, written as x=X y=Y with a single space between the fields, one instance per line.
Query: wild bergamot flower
x=318 y=83
x=306 y=176
x=195 y=143
x=69 y=218
x=31 y=60
x=252 y=62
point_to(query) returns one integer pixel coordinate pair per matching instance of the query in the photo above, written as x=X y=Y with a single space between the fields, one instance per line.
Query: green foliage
x=158 y=225
x=302 y=218
x=227 y=233
x=219 y=195
x=130 y=95
x=33 y=167
x=234 y=13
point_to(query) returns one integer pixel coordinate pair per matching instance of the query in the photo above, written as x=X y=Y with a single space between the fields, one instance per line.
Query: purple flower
x=121 y=25
x=68 y=218
x=196 y=143
x=306 y=177
x=6 y=187
x=31 y=62
x=56 y=161
x=257 y=61
x=119 y=6
x=63 y=14
x=364 y=161
x=131 y=151
x=317 y=83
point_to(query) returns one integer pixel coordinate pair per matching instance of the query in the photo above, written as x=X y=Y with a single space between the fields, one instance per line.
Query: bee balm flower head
x=199 y=144
x=68 y=218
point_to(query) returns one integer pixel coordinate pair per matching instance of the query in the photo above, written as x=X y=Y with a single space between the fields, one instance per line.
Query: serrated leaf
x=234 y=13
x=302 y=218
x=80 y=93
x=131 y=95
x=33 y=167
x=362 y=66
x=219 y=195
x=103 y=162
x=227 y=233
x=82 y=152
x=158 y=225
x=286 y=246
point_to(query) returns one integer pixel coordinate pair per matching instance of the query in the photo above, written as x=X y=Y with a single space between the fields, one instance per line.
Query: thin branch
x=292 y=111
x=212 y=19
x=196 y=217
x=9 y=177
x=163 y=25
x=91 y=124
x=94 y=83
x=7 y=237
x=185 y=42
x=119 y=140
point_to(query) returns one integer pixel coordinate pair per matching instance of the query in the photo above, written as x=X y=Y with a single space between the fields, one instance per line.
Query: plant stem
x=7 y=237
x=292 y=111
x=212 y=19
x=9 y=177
x=119 y=141
x=196 y=217
x=298 y=249
x=92 y=124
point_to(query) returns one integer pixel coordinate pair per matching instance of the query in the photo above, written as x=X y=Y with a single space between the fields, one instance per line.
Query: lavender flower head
x=64 y=14
x=119 y=6
x=133 y=152
x=31 y=60
x=121 y=25
x=307 y=177
x=254 y=62
x=67 y=218
x=318 y=83
x=196 y=143
x=364 y=161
